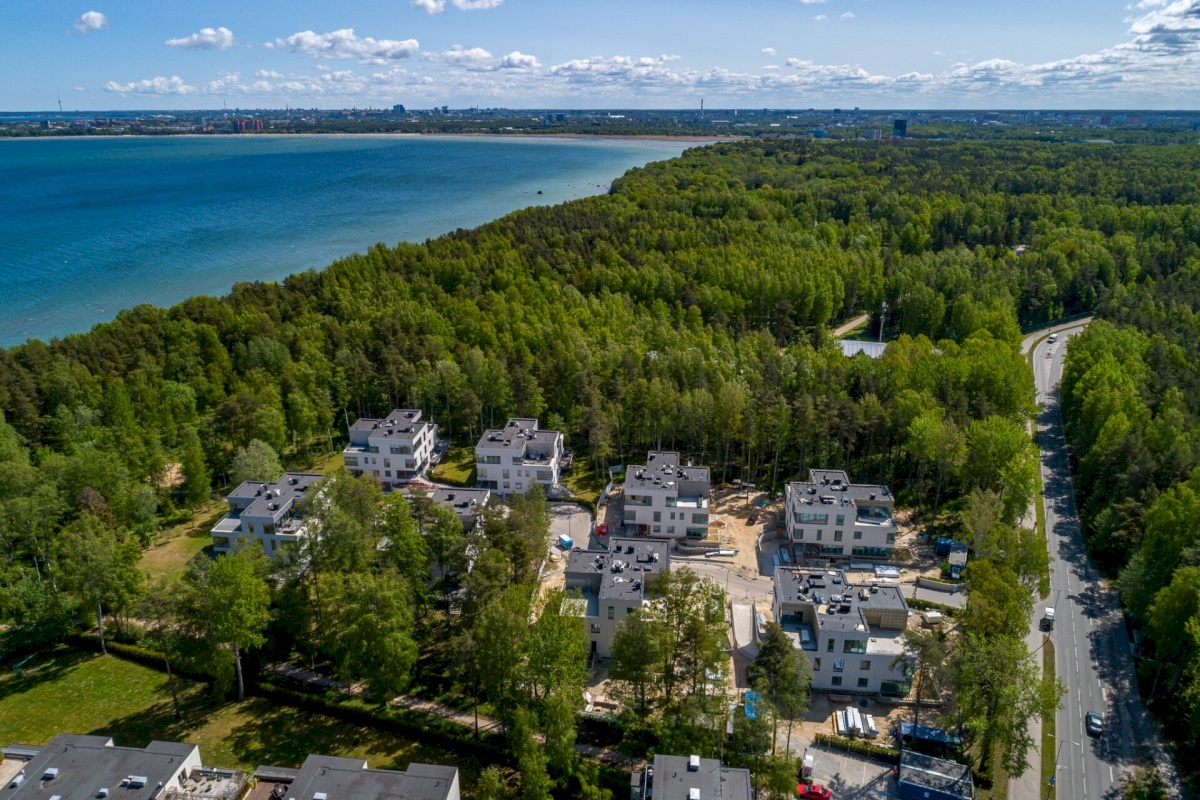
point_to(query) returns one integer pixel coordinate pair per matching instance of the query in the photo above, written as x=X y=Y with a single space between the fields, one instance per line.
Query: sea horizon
x=127 y=220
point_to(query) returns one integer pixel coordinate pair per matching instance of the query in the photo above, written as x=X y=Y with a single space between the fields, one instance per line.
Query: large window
x=699 y=519
x=854 y=646
x=837 y=680
x=491 y=459
x=810 y=518
x=839 y=664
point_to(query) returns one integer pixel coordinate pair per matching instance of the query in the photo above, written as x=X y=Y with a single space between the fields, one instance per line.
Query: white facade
x=664 y=499
x=613 y=584
x=829 y=518
x=394 y=450
x=517 y=456
x=268 y=514
x=851 y=634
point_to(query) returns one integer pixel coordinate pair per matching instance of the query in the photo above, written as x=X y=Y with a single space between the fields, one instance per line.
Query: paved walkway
x=842 y=330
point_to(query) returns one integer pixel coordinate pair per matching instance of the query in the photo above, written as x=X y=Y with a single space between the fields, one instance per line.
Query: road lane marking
x=1104 y=694
x=1110 y=774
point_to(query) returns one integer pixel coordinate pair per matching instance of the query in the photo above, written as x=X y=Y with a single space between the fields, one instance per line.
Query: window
x=612 y=612
x=505 y=474
x=658 y=516
x=891 y=538
x=816 y=665
x=506 y=484
x=808 y=518
x=516 y=459
x=595 y=627
x=670 y=529
x=837 y=680
x=819 y=534
x=830 y=646
x=658 y=528
x=700 y=519
x=491 y=459
x=520 y=485
x=858 y=534
x=387 y=462
x=839 y=665
x=862 y=683
x=831 y=550
x=854 y=646
x=864 y=665
x=841 y=519
x=837 y=536
x=387 y=473
x=672 y=515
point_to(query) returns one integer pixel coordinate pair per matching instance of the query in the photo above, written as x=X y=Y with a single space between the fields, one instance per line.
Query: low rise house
x=828 y=517
x=468 y=504
x=270 y=514
x=689 y=778
x=513 y=458
x=394 y=450
x=613 y=584
x=665 y=499
x=851 y=634
x=333 y=778
x=75 y=767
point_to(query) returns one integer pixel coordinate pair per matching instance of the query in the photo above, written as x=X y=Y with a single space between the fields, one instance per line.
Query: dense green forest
x=689 y=308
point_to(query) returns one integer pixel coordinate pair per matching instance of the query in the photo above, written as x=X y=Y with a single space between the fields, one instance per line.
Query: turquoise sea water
x=91 y=226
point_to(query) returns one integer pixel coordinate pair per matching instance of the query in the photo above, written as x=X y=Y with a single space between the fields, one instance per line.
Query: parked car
x=812 y=791
x=1052 y=338
x=1094 y=724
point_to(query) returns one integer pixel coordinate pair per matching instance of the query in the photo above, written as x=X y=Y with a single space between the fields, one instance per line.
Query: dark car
x=753 y=519
x=1094 y=723
x=812 y=791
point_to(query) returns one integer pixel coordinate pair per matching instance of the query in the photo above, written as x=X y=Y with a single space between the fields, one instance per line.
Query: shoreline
x=630 y=137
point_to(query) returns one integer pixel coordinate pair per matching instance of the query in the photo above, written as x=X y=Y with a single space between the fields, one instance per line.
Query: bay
x=91 y=226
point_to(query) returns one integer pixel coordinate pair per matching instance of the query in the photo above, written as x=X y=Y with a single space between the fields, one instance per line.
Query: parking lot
x=847 y=775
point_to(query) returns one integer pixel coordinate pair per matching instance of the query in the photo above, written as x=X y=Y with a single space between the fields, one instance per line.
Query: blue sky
x=166 y=54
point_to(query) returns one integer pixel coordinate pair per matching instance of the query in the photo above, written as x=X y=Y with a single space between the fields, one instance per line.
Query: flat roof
x=461 y=500
x=400 y=417
x=672 y=780
x=939 y=774
x=352 y=779
x=852 y=347
x=622 y=569
x=87 y=764
x=516 y=434
x=287 y=489
x=834 y=483
x=839 y=604
x=663 y=465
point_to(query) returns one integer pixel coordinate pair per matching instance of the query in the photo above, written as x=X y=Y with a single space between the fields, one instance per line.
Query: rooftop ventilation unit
x=50 y=774
x=102 y=793
x=137 y=781
x=320 y=796
x=17 y=780
x=693 y=794
x=694 y=766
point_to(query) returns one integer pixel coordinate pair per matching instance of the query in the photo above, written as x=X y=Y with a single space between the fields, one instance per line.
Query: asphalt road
x=1092 y=653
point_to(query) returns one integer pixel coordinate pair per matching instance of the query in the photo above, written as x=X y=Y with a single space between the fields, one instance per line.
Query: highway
x=1092 y=652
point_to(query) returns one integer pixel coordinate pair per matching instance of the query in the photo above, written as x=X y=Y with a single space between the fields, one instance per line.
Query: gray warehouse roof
x=335 y=778
x=673 y=780
x=78 y=767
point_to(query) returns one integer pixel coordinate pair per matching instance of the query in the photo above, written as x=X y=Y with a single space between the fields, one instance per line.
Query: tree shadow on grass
x=158 y=721
x=45 y=667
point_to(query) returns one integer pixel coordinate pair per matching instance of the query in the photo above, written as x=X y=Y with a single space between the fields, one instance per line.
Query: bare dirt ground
x=732 y=512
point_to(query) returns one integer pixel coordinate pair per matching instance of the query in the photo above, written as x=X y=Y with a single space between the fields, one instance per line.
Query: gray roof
x=622 y=572
x=87 y=764
x=928 y=772
x=351 y=779
x=516 y=434
x=846 y=600
x=672 y=780
x=665 y=466
x=463 y=501
x=279 y=494
x=400 y=419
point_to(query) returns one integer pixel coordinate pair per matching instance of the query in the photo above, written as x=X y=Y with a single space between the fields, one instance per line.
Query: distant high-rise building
x=398 y=108
x=900 y=128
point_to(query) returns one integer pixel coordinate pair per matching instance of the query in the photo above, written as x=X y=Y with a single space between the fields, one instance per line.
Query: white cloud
x=518 y=60
x=459 y=56
x=173 y=85
x=811 y=2
x=205 y=39
x=477 y=5
x=821 y=18
x=344 y=44
x=91 y=21
x=848 y=15
x=430 y=6
x=768 y=51
x=268 y=73
x=77 y=88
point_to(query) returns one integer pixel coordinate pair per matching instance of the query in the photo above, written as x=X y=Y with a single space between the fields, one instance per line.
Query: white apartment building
x=851 y=634
x=270 y=514
x=829 y=518
x=394 y=450
x=614 y=583
x=517 y=456
x=665 y=499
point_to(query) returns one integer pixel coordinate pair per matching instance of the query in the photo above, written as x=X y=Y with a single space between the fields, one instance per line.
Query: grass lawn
x=583 y=482
x=173 y=547
x=1049 y=743
x=75 y=692
x=457 y=467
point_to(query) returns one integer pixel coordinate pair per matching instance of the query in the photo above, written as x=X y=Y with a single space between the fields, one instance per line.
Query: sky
x=577 y=54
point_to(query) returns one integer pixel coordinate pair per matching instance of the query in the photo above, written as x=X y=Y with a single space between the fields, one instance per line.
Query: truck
x=1048 y=619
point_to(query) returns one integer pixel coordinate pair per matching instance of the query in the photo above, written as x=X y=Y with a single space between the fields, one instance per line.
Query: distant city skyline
x=931 y=54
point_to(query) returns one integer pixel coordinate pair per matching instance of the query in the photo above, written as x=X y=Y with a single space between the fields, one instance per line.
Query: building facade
x=664 y=499
x=828 y=517
x=513 y=458
x=394 y=450
x=851 y=634
x=269 y=514
x=613 y=584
